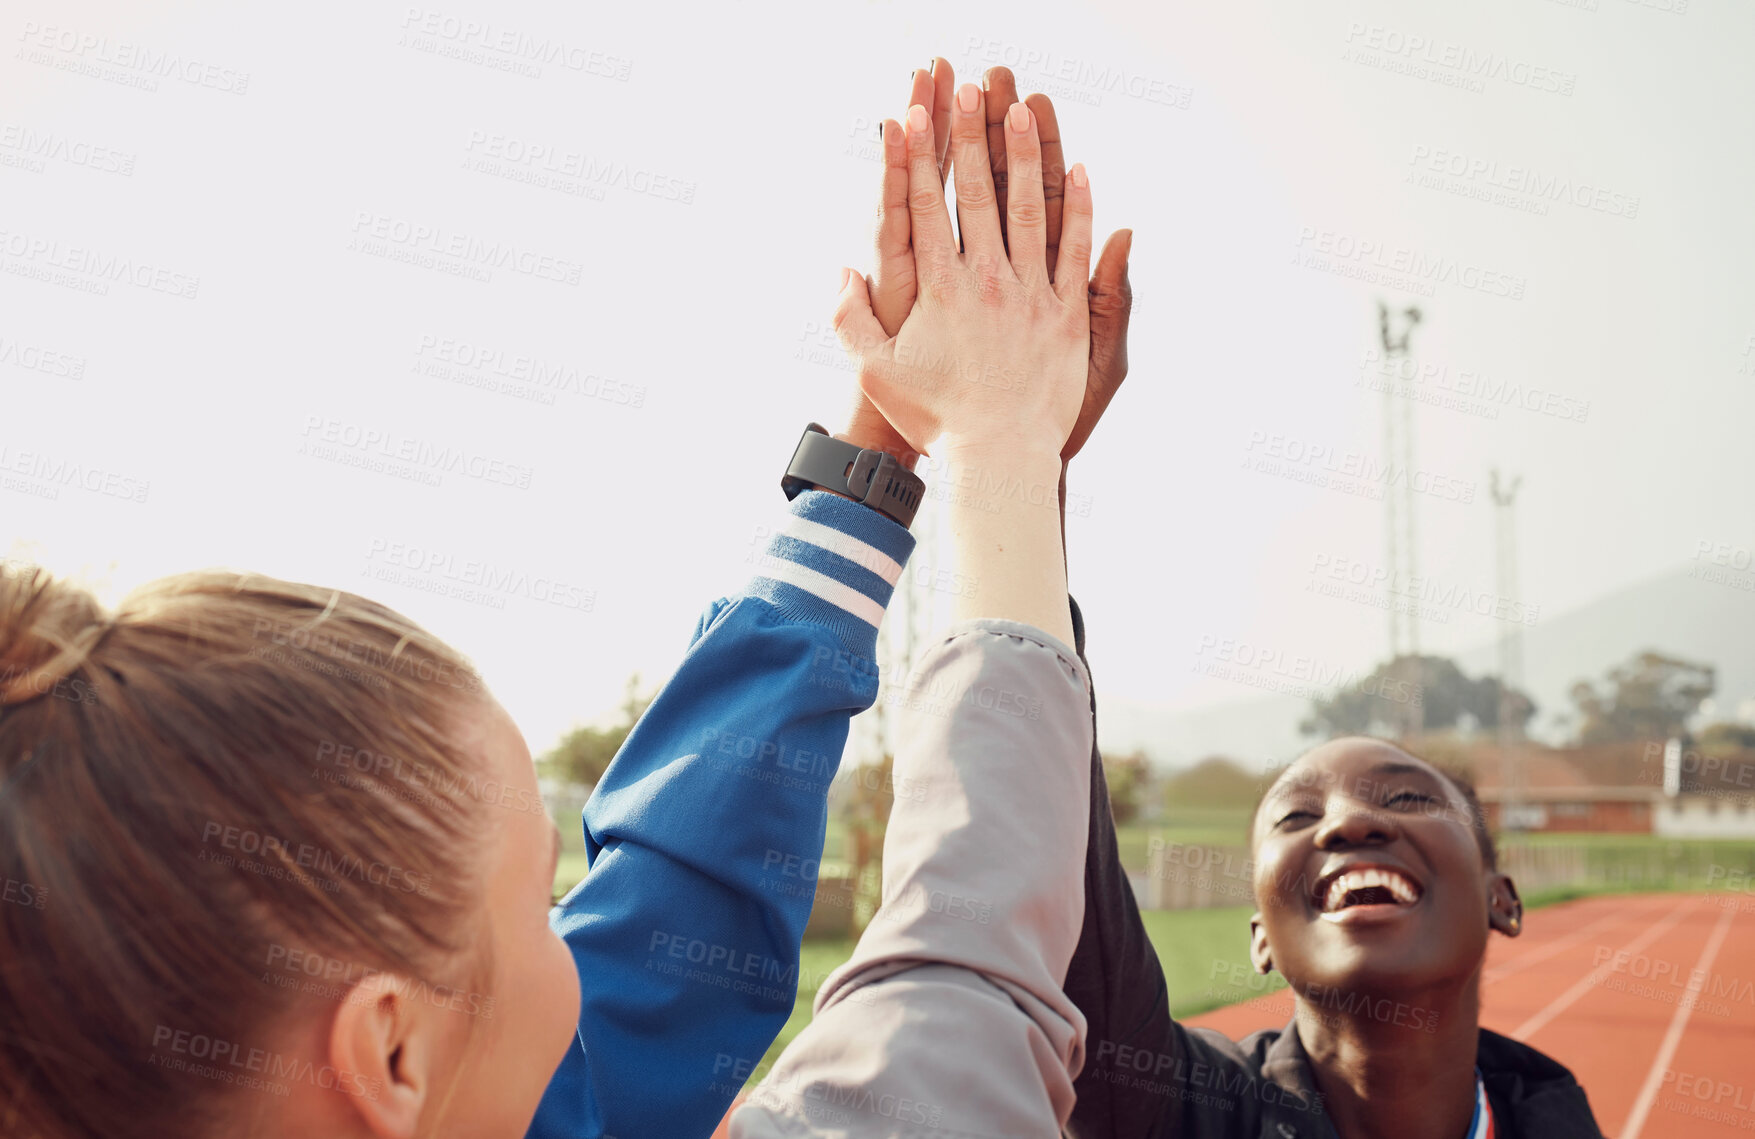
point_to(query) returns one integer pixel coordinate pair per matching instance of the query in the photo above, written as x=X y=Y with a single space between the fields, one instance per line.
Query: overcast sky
x=235 y=247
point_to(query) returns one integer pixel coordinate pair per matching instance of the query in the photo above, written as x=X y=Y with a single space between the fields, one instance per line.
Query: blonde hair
x=183 y=808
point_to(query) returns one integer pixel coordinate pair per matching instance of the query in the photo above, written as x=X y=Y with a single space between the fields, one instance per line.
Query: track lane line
x=1678 y=1024
x=1595 y=977
x=1543 y=952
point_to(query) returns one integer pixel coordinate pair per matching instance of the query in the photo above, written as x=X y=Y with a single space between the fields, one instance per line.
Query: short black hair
x=1459 y=780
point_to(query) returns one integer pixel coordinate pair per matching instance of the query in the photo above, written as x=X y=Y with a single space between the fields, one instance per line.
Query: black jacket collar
x=1533 y=1096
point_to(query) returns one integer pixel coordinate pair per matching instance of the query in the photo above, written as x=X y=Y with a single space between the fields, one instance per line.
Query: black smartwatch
x=874 y=478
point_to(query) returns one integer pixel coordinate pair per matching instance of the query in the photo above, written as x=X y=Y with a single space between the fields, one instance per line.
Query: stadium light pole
x=1513 y=777
x=1399 y=533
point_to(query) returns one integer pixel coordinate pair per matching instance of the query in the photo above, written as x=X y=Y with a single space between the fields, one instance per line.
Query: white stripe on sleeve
x=825 y=587
x=858 y=552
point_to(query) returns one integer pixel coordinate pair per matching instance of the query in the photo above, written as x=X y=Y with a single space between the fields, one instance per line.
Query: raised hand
x=892 y=285
x=993 y=353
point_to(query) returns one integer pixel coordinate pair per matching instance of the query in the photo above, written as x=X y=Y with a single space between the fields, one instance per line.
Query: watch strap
x=868 y=476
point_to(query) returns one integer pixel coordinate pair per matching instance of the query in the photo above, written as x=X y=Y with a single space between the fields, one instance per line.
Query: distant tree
x=869 y=795
x=1213 y=782
x=864 y=807
x=584 y=753
x=1385 y=702
x=1650 y=697
x=1129 y=777
x=1726 y=738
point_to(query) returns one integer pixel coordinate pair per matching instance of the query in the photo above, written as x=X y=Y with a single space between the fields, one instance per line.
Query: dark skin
x=893 y=285
x=1358 y=802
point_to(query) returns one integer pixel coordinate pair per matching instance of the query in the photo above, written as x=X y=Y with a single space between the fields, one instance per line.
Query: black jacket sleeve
x=1114 y=979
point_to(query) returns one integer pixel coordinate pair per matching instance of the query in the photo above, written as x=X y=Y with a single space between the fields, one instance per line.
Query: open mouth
x=1366 y=886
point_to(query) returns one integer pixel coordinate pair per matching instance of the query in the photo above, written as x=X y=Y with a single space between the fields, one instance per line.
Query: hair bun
x=48 y=629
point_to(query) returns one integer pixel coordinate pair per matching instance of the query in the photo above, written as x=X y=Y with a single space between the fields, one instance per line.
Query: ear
x=384 y=1048
x=1504 y=907
x=1259 y=954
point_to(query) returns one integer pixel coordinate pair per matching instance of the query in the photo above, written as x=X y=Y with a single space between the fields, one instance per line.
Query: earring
x=1516 y=923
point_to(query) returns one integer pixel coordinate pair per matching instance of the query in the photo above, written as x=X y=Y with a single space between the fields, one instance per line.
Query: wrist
x=1008 y=456
x=994 y=478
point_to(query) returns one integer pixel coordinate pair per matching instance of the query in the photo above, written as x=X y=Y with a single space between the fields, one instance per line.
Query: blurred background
x=1443 y=369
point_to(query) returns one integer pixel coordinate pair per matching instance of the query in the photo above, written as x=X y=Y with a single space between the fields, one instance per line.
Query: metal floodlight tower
x=1401 y=549
x=1513 y=776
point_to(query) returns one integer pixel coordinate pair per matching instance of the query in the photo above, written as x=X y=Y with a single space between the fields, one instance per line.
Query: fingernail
x=969 y=98
x=918 y=122
x=932 y=66
x=1077 y=174
x=846 y=276
x=1019 y=118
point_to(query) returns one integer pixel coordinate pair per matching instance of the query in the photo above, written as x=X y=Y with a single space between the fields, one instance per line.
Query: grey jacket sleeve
x=949 y=1021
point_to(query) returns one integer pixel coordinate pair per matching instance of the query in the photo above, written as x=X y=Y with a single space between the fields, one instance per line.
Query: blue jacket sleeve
x=705 y=833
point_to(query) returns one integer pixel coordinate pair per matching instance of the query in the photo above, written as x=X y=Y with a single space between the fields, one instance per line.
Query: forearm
x=1008 y=538
x=950 y=1018
x=686 y=930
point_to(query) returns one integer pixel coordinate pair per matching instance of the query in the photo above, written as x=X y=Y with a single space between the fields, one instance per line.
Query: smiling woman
x=1376 y=886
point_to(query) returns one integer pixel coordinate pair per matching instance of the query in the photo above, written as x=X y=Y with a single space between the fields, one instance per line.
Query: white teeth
x=1351 y=880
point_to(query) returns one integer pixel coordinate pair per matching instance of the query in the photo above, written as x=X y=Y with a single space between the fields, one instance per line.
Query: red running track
x=1649 y=999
